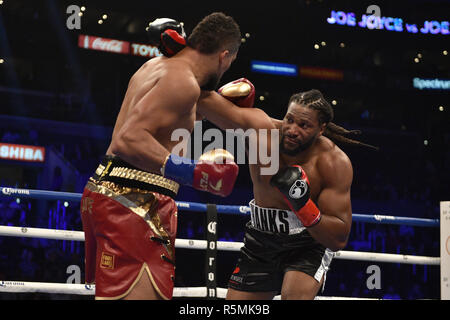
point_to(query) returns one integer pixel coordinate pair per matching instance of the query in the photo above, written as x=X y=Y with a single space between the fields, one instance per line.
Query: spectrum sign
x=387 y=23
x=431 y=84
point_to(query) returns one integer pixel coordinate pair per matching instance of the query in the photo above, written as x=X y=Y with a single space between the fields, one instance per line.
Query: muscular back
x=160 y=98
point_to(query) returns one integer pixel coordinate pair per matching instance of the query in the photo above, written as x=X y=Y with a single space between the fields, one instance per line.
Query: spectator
x=58 y=179
x=390 y=294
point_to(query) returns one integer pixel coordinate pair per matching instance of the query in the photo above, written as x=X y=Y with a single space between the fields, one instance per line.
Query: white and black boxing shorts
x=276 y=242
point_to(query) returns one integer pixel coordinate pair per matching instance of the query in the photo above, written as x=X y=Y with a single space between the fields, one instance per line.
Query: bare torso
x=328 y=168
x=153 y=107
x=323 y=150
x=320 y=161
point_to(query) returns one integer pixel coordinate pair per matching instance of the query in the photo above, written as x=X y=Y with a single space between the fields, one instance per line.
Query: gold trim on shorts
x=139 y=201
x=141 y=176
x=146 y=268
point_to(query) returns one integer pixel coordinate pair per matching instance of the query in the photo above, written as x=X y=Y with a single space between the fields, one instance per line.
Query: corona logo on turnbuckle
x=89 y=287
x=212 y=227
x=6 y=191
x=11 y=283
x=244 y=209
x=10 y=191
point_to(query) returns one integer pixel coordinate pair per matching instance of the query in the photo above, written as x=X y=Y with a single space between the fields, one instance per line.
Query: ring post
x=445 y=250
x=211 y=251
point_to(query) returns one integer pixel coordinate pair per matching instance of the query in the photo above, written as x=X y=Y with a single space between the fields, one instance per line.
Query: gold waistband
x=141 y=176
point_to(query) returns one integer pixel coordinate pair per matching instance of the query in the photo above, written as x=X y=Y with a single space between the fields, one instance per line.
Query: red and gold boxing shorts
x=128 y=231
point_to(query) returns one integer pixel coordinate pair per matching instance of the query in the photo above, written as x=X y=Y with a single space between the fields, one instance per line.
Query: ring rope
x=221 y=209
x=82 y=289
x=221 y=245
x=201 y=292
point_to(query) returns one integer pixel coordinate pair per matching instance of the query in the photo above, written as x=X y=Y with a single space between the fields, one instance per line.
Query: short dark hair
x=215 y=32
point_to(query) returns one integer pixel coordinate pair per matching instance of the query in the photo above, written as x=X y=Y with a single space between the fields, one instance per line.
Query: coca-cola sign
x=103 y=44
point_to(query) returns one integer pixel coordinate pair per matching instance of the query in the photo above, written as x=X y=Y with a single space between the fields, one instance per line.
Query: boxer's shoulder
x=180 y=72
x=168 y=67
x=181 y=66
x=169 y=76
x=334 y=164
x=332 y=157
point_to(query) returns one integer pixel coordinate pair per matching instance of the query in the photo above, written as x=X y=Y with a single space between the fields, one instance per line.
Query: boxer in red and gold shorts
x=128 y=211
x=130 y=220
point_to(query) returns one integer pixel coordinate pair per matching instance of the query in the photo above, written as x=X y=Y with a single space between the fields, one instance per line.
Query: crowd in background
x=50 y=78
x=390 y=177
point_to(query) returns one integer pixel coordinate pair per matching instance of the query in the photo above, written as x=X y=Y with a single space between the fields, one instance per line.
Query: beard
x=212 y=83
x=301 y=146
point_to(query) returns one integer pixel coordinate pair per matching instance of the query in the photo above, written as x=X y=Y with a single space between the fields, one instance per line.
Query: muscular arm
x=226 y=115
x=277 y=123
x=155 y=111
x=334 y=203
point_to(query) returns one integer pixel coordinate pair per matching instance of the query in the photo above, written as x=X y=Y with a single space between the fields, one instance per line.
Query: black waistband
x=106 y=172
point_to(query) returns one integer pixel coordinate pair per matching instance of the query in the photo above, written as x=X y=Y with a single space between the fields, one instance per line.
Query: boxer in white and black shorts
x=277 y=242
x=288 y=249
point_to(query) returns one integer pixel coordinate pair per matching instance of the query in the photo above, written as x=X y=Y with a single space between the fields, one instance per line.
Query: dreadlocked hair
x=314 y=99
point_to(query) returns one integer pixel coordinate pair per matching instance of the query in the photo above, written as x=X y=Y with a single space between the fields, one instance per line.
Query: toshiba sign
x=22 y=152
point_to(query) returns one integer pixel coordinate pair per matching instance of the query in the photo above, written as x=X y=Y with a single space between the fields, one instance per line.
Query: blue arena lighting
x=274 y=68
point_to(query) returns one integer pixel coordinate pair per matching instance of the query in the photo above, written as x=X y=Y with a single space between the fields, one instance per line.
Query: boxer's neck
x=202 y=65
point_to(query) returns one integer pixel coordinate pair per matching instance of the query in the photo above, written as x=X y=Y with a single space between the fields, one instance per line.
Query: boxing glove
x=168 y=35
x=293 y=184
x=214 y=172
x=241 y=92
